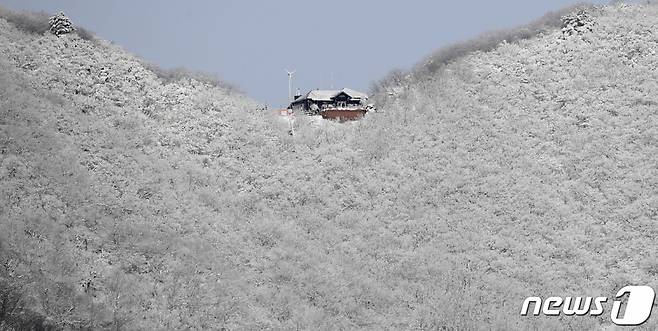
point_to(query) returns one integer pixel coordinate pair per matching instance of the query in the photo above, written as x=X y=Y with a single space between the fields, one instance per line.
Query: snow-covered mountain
x=135 y=199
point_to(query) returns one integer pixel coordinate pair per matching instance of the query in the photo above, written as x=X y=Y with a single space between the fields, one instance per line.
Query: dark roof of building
x=327 y=95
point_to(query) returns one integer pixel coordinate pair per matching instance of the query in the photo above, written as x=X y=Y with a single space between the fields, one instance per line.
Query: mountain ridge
x=133 y=203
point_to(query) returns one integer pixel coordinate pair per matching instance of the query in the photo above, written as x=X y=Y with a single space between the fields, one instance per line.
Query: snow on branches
x=60 y=24
x=577 y=23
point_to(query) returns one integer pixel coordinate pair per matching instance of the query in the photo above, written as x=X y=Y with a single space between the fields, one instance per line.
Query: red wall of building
x=343 y=115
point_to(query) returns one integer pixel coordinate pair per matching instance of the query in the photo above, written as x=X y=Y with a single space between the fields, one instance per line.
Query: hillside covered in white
x=132 y=198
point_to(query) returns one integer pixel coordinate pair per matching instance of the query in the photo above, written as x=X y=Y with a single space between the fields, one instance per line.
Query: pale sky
x=249 y=43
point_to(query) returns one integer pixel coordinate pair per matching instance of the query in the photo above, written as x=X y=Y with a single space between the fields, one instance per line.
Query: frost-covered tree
x=577 y=23
x=60 y=24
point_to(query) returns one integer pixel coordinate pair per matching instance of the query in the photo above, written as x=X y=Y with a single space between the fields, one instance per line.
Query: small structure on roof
x=345 y=104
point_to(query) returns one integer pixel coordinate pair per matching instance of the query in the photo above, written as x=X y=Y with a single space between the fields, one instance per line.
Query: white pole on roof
x=290 y=120
x=290 y=73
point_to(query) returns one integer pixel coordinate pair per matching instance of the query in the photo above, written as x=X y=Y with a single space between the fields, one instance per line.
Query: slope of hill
x=544 y=154
x=132 y=203
x=103 y=164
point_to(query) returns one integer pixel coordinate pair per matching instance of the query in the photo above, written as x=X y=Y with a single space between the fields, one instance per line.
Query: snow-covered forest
x=133 y=198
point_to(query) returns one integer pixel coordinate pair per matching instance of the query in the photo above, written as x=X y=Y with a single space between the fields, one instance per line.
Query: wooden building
x=345 y=104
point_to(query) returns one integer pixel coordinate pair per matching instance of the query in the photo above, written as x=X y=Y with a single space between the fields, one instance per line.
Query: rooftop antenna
x=290 y=73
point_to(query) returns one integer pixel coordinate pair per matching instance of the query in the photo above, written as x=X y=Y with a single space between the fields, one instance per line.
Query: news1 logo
x=638 y=307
